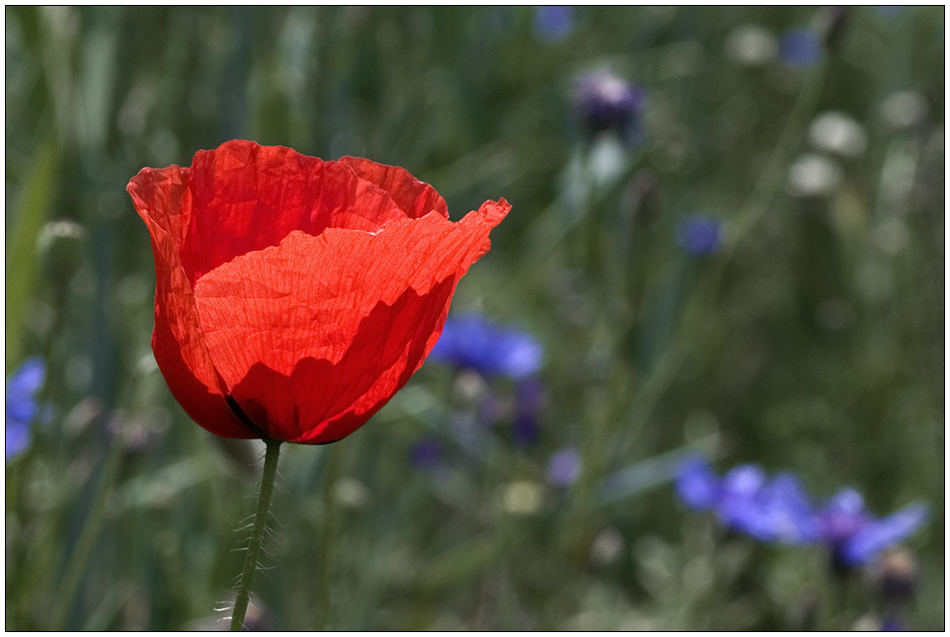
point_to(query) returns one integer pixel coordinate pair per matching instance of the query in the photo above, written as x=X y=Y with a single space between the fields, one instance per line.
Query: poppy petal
x=414 y=197
x=243 y=197
x=322 y=402
x=179 y=348
x=315 y=298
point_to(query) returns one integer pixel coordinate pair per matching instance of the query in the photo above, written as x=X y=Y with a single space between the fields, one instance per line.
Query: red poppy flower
x=295 y=296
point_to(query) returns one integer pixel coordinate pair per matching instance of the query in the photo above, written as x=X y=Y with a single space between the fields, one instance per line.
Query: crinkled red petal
x=316 y=298
x=413 y=197
x=250 y=197
x=177 y=341
x=322 y=402
x=304 y=292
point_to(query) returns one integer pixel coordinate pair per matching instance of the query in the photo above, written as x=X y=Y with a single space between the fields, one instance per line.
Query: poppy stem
x=257 y=534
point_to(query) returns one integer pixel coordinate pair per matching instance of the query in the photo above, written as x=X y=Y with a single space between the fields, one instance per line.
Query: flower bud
x=896 y=574
x=605 y=102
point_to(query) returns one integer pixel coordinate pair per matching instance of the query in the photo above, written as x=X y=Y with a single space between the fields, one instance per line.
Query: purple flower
x=696 y=484
x=746 y=501
x=604 y=101
x=780 y=511
x=472 y=341
x=800 y=48
x=699 y=236
x=22 y=407
x=529 y=395
x=892 y=624
x=564 y=467
x=426 y=453
x=525 y=431
x=553 y=24
x=854 y=536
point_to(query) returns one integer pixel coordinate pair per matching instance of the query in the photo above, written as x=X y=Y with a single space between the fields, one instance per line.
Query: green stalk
x=87 y=538
x=774 y=170
x=332 y=460
x=257 y=534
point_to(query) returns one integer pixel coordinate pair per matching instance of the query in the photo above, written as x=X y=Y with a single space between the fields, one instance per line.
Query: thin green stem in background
x=332 y=459
x=777 y=165
x=257 y=534
x=87 y=538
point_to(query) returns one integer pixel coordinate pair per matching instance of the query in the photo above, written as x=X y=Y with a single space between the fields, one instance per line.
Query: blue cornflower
x=780 y=511
x=564 y=467
x=699 y=236
x=472 y=341
x=854 y=536
x=800 y=48
x=529 y=396
x=553 y=24
x=891 y=624
x=22 y=407
x=426 y=453
x=746 y=501
x=696 y=484
x=604 y=101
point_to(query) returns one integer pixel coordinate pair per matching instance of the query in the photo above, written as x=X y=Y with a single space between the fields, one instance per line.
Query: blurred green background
x=811 y=340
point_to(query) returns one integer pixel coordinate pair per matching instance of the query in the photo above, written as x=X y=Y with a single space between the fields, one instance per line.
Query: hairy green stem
x=257 y=534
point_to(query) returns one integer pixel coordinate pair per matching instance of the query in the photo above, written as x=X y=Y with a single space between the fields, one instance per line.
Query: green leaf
x=35 y=200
